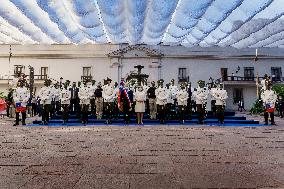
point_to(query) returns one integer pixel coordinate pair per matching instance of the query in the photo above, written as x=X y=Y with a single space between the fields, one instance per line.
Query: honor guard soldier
x=213 y=100
x=124 y=102
x=84 y=96
x=174 y=90
x=269 y=98
x=45 y=96
x=21 y=97
x=99 y=101
x=182 y=97
x=152 y=100
x=200 y=96
x=108 y=96
x=65 y=97
x=57 y=95
x=161 y=97
x=170 y=103
x=220 y=95
x=55 y=91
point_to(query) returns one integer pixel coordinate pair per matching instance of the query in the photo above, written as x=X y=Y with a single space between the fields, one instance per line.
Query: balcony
x=86 y=78
x=36 y=77
x=247 y=81
x=183 y=79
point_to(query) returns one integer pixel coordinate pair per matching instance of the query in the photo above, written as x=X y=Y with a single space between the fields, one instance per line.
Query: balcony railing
x=86 y=78
x=40 y=77
x=183 y=79
x=239 y=78
x=36 y=77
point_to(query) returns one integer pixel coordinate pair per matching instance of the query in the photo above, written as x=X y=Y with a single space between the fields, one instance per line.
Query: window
x=249 y=73
x=19 y=69
x=182 y=73
x=43 y=73
x=276 y=73
x=182 y=77
x=87 y=71
x=238 y=95
x=224 y=74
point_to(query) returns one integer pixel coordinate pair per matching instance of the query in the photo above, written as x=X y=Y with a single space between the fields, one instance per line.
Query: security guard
x=220 y=95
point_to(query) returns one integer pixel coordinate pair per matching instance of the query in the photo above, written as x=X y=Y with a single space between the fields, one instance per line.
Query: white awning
x=205 y=23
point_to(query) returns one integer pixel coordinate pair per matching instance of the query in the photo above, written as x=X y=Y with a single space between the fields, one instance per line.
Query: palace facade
x=235 y=67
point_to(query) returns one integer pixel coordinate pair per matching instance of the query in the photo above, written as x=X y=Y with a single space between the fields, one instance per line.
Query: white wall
x=67 y=61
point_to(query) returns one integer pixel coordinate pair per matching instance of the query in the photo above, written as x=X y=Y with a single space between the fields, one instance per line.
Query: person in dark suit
x=74 y=101
x=189 y=101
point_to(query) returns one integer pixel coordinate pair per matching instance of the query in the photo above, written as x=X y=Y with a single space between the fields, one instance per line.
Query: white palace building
x=235 y=67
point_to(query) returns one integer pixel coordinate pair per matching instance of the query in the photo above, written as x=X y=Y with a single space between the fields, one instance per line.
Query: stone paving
x=141 y=157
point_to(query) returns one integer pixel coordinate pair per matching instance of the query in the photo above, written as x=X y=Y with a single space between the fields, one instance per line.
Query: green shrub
x=257 y=107
x=279 y=89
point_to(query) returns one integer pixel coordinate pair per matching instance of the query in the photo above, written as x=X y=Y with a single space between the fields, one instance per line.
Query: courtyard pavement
x=141 y=157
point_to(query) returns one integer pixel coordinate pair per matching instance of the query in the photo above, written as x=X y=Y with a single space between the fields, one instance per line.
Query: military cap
x=201 y=81
x=161 y=81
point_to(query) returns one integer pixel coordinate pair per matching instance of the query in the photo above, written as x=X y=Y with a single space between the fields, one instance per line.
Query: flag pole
x=9 y=72
x=257 y=76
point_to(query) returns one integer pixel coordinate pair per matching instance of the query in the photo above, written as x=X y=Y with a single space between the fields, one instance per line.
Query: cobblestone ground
x=141 y=157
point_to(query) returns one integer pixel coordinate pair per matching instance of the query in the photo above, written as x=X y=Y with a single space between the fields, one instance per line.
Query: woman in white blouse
x=140 y=98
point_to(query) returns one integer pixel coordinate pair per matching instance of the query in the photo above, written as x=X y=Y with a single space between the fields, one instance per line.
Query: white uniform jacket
x=45 y=95
x=269 y=97
x=200 y=95
x=108 y=93
x=182 y=96
x=84 y=95
x=21 y=95
x=65 y=96
x=162 y=94
x=220 y=95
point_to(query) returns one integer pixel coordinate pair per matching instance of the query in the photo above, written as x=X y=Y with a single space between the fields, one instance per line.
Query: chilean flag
x=269 y=108
x=3 y=105
x=19 y=107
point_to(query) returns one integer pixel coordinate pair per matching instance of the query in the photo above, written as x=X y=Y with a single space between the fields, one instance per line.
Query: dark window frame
x=277 y=72
x=89 y=72
x=249 y=73
x=19 y=69
x=238 y=94
x=182 y=73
